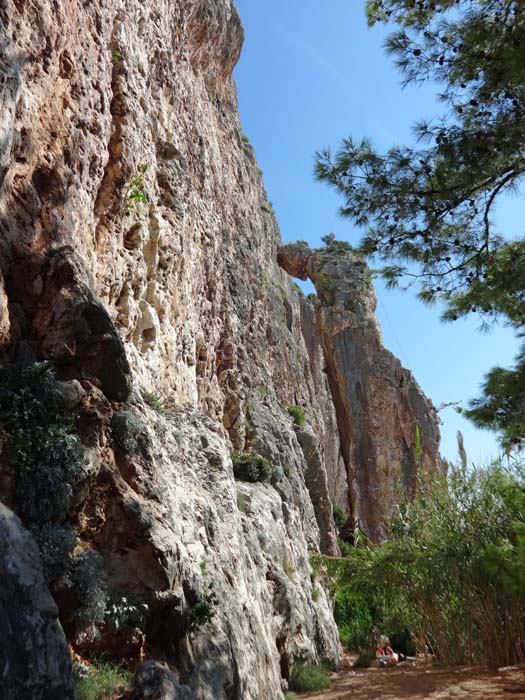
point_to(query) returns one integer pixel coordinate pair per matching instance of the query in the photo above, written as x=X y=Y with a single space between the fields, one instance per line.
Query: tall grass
x=106 y=681
x=452 y=571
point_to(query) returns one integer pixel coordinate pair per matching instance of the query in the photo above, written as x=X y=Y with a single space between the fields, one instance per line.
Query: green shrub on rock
x=89 y=580
x=126 y=613
x=41 y=442
x=129 y=433
x=55 y=544
x=250 y=466
x=298 y=415
x=339 y=516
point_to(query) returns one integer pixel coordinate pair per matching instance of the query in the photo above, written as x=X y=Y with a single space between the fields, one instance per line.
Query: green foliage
x=129 y=433
x=126 y=613
x=335 y=247
x=41 y=443
x=339 y=516
x=55 y=545
x=364 y=659
x=116 y=56
x=355 y=616
x=289 y=695
x=242 y=502
x=298 y=414
x=153 y=400
x=250 y=466
x=419 y=448
x=200 y=614
x=89 y=580
x=502 y=406
x=316 y=594
x=345 y=548
x=281 y=291
x=245 y=138
x=50 y=466
x=204 y=610
x=452 y=569
x=136 y=192
x=427 y=210
x=103 y=682
x=306 y=678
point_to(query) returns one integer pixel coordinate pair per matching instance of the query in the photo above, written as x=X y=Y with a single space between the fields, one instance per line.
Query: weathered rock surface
x=379 y=406
x=156 y=682
x=171 y=521
x=34 y=658
x=126 y=146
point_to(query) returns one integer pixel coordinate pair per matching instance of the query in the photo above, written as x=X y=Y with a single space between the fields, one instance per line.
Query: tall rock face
x=138 y=254
x=388 y=428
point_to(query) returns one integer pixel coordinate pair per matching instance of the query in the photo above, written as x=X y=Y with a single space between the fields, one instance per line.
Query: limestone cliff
x=138 y=254
x=388 y=428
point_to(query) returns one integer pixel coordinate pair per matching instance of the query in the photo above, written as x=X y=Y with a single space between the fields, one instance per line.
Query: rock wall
x=138 y=254
x=389 y=430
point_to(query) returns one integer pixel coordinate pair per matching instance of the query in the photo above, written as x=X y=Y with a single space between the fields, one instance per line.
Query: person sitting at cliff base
x=385 y=654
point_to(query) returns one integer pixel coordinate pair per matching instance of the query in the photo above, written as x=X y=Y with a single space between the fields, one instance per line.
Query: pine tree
x=426 y=209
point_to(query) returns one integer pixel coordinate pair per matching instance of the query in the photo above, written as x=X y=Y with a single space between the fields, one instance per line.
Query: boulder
x=154 y=681
x=34 y=658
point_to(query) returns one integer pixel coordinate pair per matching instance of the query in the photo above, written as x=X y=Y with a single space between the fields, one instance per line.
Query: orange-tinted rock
x=380 y=408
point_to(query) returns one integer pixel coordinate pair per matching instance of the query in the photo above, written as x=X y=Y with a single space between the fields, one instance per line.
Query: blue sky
x=310 y=74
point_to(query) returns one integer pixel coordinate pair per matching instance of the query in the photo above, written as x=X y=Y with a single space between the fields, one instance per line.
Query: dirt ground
x=416 y=683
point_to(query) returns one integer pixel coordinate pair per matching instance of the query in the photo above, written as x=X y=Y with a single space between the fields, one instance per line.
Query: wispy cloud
x=309 y=51
x=303 y=47
x=386 y=137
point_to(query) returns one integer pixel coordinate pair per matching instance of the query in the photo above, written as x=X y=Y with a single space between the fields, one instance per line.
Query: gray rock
x=71 y=393
x=154 y=681
x=34 y=659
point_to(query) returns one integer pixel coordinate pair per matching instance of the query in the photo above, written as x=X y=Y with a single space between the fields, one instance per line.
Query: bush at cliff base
x=310 y=677
x=451 y=573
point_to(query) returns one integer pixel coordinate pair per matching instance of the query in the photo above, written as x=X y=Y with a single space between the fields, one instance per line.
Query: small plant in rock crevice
x=204 y=609
x=250 y=466
x=136 y=192
x=116 y=56
x=298 y=415
x=153 y=400
x=242 y=502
